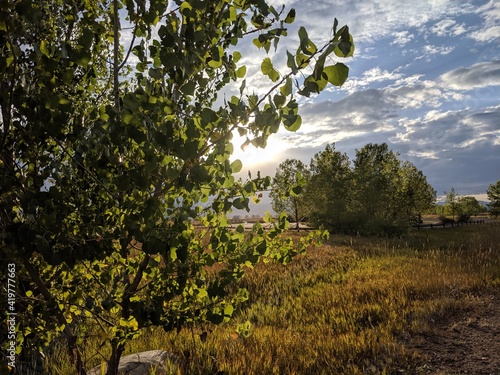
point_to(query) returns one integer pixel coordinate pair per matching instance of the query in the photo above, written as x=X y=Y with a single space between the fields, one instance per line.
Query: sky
x=424 y=78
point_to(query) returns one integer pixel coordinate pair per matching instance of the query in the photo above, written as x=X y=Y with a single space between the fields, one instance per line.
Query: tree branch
x=68 y=333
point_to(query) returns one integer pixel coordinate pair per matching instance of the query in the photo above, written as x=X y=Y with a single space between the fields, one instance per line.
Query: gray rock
x=141 y=363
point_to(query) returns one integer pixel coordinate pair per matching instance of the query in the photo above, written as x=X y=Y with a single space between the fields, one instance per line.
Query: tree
x=286 y=190
x=329 y=189
x=415 y=195
x=377 y=182
x=493 y=193
x=379 y=195
x=468 y=206
x=105 y=161
x=451 y=203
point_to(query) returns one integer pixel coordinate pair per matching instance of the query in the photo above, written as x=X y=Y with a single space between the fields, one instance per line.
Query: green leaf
x=279 y=100
x=236 y=56
x=41 y=243
x=286 y=89
x=268 y=69
x=241 y=72
x=346 y=46
x=296 y=190
x=208 y=116
x=236 y=166
x=306 y=45
x=186 y=7
x=290 y=62
x=292 y=122
x=188 y=88
x=128 y=118
x=290 y=17
x=337 y=74
x=238 y=204
x=228 y=310
x=215 y=318
x=44 y=48
x=232 y=14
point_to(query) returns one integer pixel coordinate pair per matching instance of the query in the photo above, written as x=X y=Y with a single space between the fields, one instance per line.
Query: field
x=425 y=304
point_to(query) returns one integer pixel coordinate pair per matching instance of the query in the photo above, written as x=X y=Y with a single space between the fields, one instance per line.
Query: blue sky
x=425 y=78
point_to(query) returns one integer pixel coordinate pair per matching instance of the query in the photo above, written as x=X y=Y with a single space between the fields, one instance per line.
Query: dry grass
x=346 y=307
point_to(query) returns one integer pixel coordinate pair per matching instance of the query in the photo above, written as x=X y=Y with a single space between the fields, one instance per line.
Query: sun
x=254 y=158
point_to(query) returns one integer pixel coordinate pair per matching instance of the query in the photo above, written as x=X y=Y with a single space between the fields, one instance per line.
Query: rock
x=141 y=363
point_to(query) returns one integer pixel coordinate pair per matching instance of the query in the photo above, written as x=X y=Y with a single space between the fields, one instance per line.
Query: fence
x=449 y=224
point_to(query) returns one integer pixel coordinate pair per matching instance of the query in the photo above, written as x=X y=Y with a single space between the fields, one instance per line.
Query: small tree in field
x=329 y=189
x=451 y=204
x=468 y=206
x=287 y=190
x=105 y=161
x=494 y=197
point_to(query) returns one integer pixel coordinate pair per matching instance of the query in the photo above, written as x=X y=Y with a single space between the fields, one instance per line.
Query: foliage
x=328 y=192
x=106 y=161
x=461 y=207
x=494 y=197
x=469 y=206
x=378 y=195
x=287 y=194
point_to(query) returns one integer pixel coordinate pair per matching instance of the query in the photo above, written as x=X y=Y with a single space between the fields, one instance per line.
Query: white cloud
x=442 y=28
x=441 y=50
x=478 y=75
x=402 y=38
x=491 y=29
x=487 y=34
x=370 y=76
x=448 y=27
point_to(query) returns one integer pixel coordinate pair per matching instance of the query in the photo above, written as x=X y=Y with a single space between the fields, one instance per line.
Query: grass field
x=346 y=307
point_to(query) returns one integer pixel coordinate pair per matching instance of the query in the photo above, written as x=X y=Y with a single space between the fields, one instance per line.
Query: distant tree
x=379 y=195
x=451 y=203
x=375 y=174
x=379 y=200
x=415 y=195
x=287 y=193
x=468 y=206
x=329 y=190
x=493 y=193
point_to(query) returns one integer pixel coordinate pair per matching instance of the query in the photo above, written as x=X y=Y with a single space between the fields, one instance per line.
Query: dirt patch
x=466 y=343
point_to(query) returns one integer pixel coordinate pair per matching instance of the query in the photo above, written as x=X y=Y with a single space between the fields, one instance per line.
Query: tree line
x=376 y=194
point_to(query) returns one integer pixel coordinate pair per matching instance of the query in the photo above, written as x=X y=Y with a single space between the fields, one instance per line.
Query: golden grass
x=346 y=307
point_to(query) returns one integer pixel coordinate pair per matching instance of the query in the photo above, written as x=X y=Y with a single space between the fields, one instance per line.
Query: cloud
x=440 y=50
x=487 y=34
x=370 y=76
x=448 y=27
x=478 y=75
x=490 y=12
x=402 y=38
x=442 y=27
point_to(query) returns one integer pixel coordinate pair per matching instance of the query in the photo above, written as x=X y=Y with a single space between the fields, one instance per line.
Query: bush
x=445 y=219
x=358 y=223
